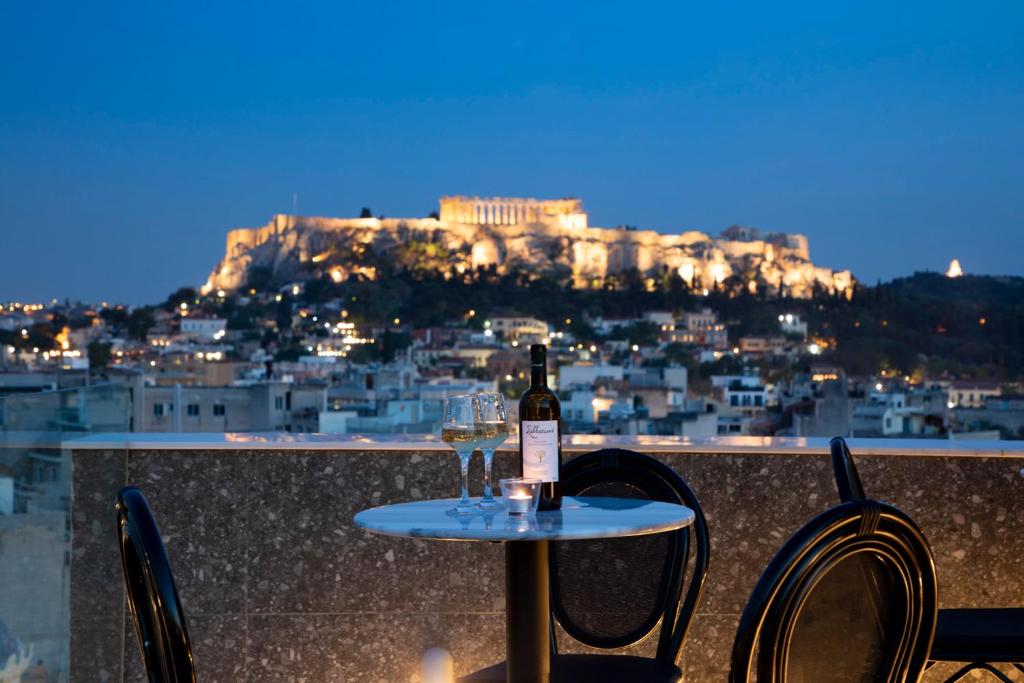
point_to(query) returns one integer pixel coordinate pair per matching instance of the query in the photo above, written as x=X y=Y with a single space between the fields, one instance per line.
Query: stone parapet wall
x=278 y=585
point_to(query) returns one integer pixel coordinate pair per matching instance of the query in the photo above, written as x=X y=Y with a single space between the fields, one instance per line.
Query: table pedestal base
x=527 y=612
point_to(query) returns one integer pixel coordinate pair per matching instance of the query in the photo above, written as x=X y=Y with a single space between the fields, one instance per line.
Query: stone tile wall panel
x=278 y=584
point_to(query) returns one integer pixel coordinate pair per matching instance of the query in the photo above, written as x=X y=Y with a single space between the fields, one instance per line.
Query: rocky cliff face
x=534 y=240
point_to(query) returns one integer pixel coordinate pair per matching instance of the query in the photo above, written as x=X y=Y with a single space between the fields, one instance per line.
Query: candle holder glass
x=520 y=495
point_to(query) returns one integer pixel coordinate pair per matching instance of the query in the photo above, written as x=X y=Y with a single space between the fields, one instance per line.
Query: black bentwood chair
x=616 y=592
x=850 y=597
x=976 y=636
x=152 y=595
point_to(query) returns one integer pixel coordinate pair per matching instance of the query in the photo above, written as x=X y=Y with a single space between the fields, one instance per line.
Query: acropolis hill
x=550 y=237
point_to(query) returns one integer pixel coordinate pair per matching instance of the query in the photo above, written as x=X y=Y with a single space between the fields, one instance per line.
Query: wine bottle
x=540 y=432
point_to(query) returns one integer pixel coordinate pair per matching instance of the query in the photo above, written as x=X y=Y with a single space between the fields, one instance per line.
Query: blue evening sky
x=134 y=135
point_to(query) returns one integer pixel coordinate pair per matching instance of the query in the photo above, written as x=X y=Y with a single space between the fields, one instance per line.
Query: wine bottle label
x=540 y=449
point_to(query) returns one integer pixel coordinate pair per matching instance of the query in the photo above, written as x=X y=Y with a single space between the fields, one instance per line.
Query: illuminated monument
x=567 y=213
x=541 y=236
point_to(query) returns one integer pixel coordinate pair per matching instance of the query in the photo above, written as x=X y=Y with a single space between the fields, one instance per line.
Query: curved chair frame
x=850 y=488
x=867 y=526
x=847 y=479
x=613 y=465
x=152 y=596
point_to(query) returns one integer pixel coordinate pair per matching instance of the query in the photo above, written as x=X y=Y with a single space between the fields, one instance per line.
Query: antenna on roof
x=295 y=203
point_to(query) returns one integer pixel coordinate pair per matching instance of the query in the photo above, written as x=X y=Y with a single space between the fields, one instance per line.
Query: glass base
x=467 y=508
x=490 y=504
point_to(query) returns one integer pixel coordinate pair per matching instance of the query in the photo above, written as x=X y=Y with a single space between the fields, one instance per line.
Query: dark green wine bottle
x=540 y=432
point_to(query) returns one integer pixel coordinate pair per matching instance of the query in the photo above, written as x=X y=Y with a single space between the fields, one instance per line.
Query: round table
x=527 y=610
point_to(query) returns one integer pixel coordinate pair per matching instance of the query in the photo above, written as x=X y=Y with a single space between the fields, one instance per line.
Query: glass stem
x=464 y=465
x=488 y=458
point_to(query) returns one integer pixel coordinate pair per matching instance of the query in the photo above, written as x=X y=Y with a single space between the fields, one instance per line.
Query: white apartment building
x=791 y=323
x=203 y=329
x=587 y=374
x=742 y=393
x=701 y=328
x=762 y=346
x=264 y=407
x=518 y=327
x=972 y=393
x=695 y=321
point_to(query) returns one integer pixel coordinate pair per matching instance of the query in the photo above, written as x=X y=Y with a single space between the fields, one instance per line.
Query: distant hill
x=922 y=325
x=971 y=325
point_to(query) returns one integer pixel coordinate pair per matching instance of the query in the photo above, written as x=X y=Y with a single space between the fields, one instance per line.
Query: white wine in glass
x=493 y=428
x=460 y=431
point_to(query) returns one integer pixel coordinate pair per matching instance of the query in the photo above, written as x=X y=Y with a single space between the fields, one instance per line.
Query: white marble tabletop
x=579 y=518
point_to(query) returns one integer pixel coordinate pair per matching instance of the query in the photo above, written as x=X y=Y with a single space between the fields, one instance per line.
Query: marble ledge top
x=735 y=445
x=579 y=518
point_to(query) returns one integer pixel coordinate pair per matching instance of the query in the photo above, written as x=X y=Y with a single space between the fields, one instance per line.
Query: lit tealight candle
x=519 y=502
x=520 y=495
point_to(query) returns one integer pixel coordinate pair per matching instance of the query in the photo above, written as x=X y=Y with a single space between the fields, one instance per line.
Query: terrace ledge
x=739 y=445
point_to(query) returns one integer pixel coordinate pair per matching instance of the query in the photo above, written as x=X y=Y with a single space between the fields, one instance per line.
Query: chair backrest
x=850 y=597
x=847 y=479
x=152 y=596
x=612 y=593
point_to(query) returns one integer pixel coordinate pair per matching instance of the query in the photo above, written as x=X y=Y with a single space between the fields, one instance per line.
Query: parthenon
x=566 y=213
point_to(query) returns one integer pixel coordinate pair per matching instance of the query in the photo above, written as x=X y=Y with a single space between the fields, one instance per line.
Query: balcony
x=277 y=583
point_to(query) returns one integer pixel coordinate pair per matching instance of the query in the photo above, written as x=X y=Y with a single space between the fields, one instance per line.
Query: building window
x=158 y=409
x=758 y=400
x=888 y=422
x=734 y=400
x=192 y=409
x=218 y=409
x=279 y=403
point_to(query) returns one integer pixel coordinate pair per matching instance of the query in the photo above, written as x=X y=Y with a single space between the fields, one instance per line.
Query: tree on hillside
x=259 y=278
x=114 y=317
x=283 y=315
x=99 y=354
x=184 y=295
x=139 y=323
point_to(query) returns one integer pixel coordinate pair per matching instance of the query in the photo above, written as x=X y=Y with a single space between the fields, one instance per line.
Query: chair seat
x=593 y=669
x=979 y=635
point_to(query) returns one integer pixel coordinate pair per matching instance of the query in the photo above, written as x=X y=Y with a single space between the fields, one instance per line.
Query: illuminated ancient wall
x=544 y=235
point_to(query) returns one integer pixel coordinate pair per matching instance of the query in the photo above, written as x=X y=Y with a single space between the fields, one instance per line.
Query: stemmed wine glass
x=493 y=430
x=460 y=430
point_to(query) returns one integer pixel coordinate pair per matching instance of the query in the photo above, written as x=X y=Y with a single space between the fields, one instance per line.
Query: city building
x=203 y=329
x=816 y=403
x=587 y=374
x=762 y=346
x=888 y=414
x=792 y=324
x=1004 y=412
x=263 y=407
x=701 y=328
x=519 y=328
x=972 y=393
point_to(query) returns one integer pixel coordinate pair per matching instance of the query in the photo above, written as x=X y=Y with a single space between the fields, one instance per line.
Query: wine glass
x=493 y=429
x=459 y=430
